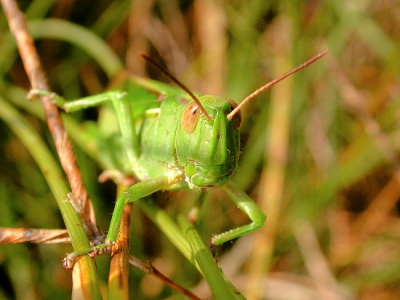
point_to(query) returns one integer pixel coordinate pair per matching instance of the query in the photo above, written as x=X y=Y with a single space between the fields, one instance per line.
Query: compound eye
x=237 y=119
x=190 y=117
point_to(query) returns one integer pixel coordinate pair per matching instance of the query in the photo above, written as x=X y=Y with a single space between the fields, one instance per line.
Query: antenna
x=273 y=82
x=174 y=79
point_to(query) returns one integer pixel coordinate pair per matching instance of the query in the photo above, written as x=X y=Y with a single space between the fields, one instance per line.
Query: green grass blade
x=65 y=31
x=167 y=226
x=221 y=288
x=53 y=175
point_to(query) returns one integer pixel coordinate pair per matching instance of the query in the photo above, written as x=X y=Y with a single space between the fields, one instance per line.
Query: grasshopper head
x=208 y=149
x=207 y=142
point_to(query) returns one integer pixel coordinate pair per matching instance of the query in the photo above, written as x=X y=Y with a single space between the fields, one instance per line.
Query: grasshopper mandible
x=188 y=142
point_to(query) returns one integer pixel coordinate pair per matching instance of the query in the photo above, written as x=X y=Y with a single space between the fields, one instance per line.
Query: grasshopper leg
x=79 y=104
x=246 y=205
x=122 y=108
x=131 y=194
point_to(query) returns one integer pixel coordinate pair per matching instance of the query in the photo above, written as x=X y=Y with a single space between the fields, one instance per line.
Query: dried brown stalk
x=38 y=80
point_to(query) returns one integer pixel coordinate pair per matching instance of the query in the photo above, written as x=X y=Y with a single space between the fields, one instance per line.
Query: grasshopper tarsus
x=70 y=258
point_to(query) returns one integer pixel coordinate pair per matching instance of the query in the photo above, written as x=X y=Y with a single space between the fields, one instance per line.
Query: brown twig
x=38 y=80
x=118 y=268
x=23 y=235
x=148 y=268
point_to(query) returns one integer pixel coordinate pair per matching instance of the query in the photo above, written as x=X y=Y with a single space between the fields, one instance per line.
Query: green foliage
x=320 y=151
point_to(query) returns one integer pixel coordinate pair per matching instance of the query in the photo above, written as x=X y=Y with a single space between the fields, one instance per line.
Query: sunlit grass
x=329 y=184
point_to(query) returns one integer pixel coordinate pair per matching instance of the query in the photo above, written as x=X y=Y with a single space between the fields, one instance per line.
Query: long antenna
x=174 y=79
x=273 y=82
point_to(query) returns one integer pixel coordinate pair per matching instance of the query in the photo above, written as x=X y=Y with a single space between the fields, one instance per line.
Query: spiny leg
x=78 y=104
x=246 y=205
x=133 y=193
x=122 y=108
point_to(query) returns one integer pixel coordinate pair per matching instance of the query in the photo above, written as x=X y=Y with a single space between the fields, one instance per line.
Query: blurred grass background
x=320 y=151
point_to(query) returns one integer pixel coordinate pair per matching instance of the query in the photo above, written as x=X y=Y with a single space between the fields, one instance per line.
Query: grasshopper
x=179 y=142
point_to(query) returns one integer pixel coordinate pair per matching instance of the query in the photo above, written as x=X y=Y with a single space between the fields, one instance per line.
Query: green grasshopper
x=179 y=142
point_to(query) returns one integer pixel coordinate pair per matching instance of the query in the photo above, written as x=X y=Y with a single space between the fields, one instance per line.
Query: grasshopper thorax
x=208 y=150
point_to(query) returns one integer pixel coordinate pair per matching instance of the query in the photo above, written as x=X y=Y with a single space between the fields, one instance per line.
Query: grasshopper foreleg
x=132 y=194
